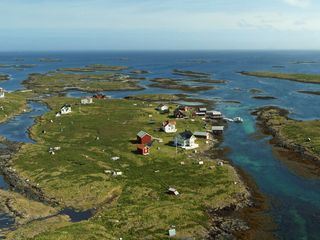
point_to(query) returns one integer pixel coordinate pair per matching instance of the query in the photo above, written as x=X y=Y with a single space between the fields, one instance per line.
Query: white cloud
x=299 y=3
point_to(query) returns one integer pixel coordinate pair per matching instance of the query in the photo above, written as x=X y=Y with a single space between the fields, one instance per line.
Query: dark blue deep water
x=294 y=198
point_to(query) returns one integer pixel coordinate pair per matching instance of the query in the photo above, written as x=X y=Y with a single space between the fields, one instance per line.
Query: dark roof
x=178 y=111
x=186 y=134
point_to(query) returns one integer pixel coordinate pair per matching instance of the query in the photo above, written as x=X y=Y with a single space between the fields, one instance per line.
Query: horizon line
x=153 y=50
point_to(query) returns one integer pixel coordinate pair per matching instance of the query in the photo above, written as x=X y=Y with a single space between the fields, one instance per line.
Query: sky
x=32 y=25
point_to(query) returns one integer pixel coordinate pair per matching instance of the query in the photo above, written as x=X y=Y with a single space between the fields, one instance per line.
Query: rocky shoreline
x=245 y=219
x=279 y=140
x=15 y=181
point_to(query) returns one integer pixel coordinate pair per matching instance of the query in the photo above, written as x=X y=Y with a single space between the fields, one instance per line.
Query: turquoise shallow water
x=294 y=200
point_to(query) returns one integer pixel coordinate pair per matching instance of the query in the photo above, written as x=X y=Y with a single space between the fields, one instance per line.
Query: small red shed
x=144 y=138
x=143 y=149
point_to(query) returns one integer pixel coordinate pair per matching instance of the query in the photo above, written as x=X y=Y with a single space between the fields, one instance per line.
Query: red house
x=143 y=149
x=144 y=138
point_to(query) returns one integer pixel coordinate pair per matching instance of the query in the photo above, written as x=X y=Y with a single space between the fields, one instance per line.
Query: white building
x=86 y=100
x=215 y=114
x=186 y=140
x=169 y=127
x=217 y=129
x=2 y=94
x=204 y=135
x=173 y=191
x=163 y=108
x=66 y=109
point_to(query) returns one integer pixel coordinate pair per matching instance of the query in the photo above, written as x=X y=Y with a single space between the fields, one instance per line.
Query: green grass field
x=299 y=132
x=132 y=206
x=298 y=77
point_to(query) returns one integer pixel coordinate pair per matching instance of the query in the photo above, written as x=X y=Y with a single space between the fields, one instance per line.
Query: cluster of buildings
x=186 y=139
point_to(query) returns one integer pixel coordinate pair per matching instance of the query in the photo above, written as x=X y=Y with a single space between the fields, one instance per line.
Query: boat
x=238 y=120
x=228 y=119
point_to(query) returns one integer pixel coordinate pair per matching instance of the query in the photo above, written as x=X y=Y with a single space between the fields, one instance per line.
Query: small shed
x=215 y=114
x=173 y=191
x=217 y=130
x=144 y=138
x=143 y=149
x=204 y=135
x=162 y=108
x=86 y=100
x=66 y=109
x=172 y=232
x=202 y=109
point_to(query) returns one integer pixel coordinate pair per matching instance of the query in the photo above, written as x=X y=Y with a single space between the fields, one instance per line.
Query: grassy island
x=59 y=82
x=94 y=68
x=299 y=136
x=4 y=77
x=134 y=205
x=297 y=77
x=190 y=73
x=177 y=84
x=309 y=92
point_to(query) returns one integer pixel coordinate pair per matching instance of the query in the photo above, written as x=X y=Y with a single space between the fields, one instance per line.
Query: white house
x=65 y=109
x=162 y=108
x=173 y=191
x=169 y=127
x=2 y=94
x=86 y=100
x=186 y=140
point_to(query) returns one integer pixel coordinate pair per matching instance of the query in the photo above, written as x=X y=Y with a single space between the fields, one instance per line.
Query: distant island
x=4 y=77
x=94 y=68
x=297 y=77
